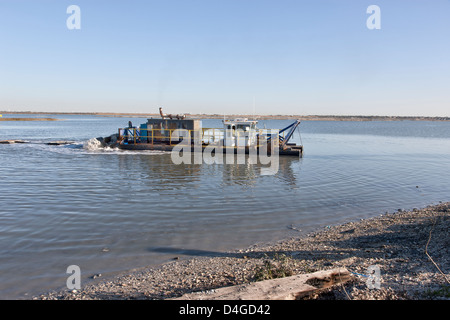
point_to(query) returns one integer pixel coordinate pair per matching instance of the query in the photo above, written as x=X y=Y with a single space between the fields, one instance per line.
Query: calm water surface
x=110 y=210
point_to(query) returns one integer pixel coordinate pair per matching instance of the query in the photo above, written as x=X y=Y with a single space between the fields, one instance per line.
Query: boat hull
x=296 y=151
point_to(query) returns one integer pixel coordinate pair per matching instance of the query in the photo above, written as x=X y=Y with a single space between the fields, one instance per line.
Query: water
x=111 y=210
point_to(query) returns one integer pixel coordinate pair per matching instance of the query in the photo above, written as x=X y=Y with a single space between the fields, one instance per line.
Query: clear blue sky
x=218 y=56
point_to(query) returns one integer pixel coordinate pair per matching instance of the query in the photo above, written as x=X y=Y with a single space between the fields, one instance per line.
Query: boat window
x=243 y=127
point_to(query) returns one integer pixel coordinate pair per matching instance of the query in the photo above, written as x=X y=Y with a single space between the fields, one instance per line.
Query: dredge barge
x=238 y=135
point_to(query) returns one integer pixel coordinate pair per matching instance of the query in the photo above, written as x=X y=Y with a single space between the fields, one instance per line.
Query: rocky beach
x=409 y=248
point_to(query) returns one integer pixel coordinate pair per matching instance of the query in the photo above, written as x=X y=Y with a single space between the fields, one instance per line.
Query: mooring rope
x=429 y=257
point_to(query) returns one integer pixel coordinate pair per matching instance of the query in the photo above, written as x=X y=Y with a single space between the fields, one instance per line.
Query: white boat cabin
x=240 y=132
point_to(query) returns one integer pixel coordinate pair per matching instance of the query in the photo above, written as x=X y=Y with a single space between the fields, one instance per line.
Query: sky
x=315 y=57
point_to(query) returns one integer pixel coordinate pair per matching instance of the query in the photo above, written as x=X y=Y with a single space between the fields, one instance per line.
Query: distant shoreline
x=257 y=117
x=29 y=119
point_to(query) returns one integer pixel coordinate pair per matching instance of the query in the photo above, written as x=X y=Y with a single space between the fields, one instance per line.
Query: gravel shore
x=411 y=250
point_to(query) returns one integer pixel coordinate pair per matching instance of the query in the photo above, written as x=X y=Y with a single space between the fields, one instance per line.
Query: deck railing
x=207 y=136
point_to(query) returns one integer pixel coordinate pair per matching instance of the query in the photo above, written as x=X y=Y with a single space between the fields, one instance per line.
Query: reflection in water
x=289 y=170
x=156 y=171
x=248 y=174
x=241 y=174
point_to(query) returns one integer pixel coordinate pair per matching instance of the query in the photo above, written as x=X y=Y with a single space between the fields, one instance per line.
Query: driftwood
x=59 y=143
x=52 y=143
x=289 y=288
x=11 y=141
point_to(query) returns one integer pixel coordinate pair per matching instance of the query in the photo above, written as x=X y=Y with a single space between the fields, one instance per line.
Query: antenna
x=254 y=107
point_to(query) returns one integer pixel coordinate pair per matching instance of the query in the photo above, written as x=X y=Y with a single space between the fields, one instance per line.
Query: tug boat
x=238 y=135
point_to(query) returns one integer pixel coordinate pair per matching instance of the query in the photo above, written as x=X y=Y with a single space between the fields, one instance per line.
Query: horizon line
x=216 y=115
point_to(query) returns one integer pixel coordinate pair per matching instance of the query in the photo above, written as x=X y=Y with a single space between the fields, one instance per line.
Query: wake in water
x=91 y=146
x=95 y=145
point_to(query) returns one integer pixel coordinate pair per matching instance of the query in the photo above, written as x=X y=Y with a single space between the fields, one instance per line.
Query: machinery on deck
x=239 y=134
